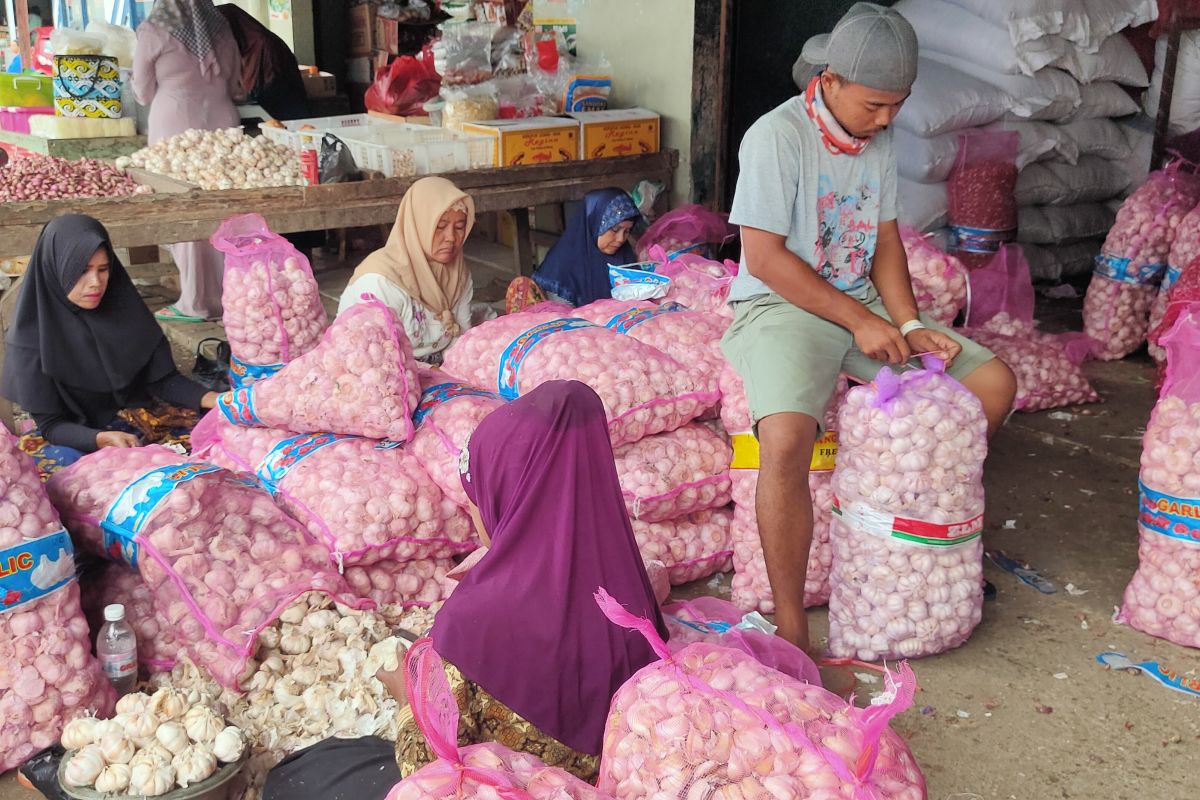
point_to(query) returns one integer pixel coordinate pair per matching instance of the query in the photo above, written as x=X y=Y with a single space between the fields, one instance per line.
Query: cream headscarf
x=405 y=259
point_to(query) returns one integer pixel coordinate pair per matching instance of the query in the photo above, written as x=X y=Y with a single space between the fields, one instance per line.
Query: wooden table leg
x=523 y=244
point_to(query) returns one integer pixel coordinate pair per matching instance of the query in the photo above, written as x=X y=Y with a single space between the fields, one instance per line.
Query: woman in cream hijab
x=421 y=273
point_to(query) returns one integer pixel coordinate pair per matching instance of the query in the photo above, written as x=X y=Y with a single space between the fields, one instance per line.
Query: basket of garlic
x=158 y=745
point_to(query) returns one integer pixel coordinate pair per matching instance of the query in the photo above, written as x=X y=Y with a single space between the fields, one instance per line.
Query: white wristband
x=910 y=326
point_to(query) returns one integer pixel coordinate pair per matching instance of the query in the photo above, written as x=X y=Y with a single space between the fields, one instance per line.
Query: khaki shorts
x=790 y=359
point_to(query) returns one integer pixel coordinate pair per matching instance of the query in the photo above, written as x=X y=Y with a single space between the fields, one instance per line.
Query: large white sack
x=944 y=99
x=1102 y=100
x=921 y=205
x=1030 y=20
x=1116 y=60
x=1062 y=224
x=1051 y=94
x=943 y=27
x=1185 y=99
x=929 y=160
x=1097 y=137
x=1054 y=183
x=1054 y=262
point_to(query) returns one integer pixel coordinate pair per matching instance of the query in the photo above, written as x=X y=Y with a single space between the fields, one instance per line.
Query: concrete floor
x=1023 y=711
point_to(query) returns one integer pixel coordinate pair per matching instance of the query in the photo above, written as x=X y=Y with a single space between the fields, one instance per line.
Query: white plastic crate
x=289 y=135
x=401 y=150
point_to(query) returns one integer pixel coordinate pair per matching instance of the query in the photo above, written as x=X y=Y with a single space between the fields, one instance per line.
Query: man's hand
x=116 y=439
x=881 y=340
x=924 y=340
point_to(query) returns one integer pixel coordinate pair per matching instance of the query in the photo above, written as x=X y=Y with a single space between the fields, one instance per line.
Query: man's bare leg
x=785 y=516
x=996 y=387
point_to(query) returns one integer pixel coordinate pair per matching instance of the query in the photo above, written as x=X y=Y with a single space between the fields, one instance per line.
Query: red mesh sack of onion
x=449 y=412
x=981 y=194
x=273 y=308
x=1163 y=598
x=363 y=500
x=221 y=559
x=669 y=475
x=360 y=380
x=693 y=338
x=157 y=645
x=939 y=279
x=710 y=721
x=691 y=547
x=907 y=551
x=47 y=673
x=1116 y=310
x=479 y=772
x=644 y=391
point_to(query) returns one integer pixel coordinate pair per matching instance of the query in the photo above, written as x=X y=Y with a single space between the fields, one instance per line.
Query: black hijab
x=54 y=346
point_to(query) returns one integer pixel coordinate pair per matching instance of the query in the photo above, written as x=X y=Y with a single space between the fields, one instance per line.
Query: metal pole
x=1165 y=96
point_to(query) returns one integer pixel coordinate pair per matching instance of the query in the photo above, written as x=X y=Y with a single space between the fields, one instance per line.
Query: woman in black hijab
x=83 y=346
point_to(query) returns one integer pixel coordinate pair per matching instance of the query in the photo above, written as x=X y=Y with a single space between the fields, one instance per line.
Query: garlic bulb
x=172 y=736
x=151 y=778
x=105 y=726
x=84 y=767
x=141 y=726
x=230 y=745
x=202 y=725
x=168 y=704
x=116 y=748
x=132 y=703
x=79 y=733
x=113 y=779
x=194 y=764
x=152 y=752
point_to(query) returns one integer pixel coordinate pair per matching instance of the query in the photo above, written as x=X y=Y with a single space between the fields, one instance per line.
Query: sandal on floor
x=173 y=314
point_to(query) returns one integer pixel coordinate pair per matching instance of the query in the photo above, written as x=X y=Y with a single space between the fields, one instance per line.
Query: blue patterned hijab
x=575 y=269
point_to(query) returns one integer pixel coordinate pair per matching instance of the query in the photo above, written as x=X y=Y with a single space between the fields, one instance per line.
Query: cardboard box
x=618 y=132
x=362 y=29
x=537 y=140
x=359 y=70
x=394 y=118
x=387 y=35
x=322 y=84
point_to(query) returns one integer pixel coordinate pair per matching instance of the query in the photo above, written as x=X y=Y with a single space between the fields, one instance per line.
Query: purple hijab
x=523 y=623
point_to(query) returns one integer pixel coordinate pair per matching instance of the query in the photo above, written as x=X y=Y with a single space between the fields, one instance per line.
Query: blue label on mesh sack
x=628 y=320
x=287 y=454
x=238 y=407
x=243 y=375
x=32 y=570
x=507 y=378
x=981 y=240
x=1170 y=276
x=1122 y=270
x=434 y=396
x=134 y=506
x=624 y=276
x=1177 y=517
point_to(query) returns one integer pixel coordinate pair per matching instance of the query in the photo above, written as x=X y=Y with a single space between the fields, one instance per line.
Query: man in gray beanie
x=824 y=287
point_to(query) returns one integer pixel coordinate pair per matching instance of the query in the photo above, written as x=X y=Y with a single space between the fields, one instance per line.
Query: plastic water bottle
x=116 y=647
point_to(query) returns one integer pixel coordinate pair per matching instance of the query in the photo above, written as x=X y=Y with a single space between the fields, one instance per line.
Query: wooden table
x=180 y=214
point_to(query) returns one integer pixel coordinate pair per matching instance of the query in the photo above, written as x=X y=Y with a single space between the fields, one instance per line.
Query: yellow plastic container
x=26 y=90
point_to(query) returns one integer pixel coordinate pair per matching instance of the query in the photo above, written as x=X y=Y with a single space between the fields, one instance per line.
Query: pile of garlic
x=316 y=679
x=154 y=744
x=221 y=159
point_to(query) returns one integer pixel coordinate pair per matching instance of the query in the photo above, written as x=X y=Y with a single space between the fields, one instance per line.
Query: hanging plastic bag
x=463 y=56
x=687 y=229
x=981 y=194
x=403 y=87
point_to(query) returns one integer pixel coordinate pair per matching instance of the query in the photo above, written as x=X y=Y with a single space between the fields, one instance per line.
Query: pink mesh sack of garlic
x=697 y=282
x=669 y=475
x=360 y=379
x=478 y=772
x=157 y=646
x=1185 y=248
x=363 y=500
x=1163 y=598
x=47 y=673
x=220 y=558
x=273 y=309
x=1183 y=293
x=691 y=547
x=644 y=391
x=907 y=549
x=939 y=279
x=693 y=338
x=714 y=621
x=402 y=584
x=1047 y=377
x=711 y=721
x=1116 y=310
x=751 y=589
x=447 y=415
x=689 y=229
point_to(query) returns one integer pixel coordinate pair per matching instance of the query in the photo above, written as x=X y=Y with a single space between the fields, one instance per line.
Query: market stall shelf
x=72 y=149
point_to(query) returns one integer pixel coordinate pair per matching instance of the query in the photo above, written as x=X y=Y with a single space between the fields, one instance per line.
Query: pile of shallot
x=643 y=390
x=907 y=553
x=360 y=379
x=714 y=722
x=38 y=177
x=221 y=159
x=154 y=744
x=939 y=279
x=47 y=673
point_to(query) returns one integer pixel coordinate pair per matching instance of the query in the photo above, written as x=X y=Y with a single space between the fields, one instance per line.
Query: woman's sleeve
x=462 y=310
x=145 y=54
x=57 y=429
x=178 y=391
x=230 y=59
x=412 y=751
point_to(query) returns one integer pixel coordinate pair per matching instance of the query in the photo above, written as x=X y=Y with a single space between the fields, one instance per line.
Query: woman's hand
x=116 y=439
x=209 y=400
x=393 y=679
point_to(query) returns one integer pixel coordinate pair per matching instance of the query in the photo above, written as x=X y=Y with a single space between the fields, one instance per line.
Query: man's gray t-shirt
x=829 y=206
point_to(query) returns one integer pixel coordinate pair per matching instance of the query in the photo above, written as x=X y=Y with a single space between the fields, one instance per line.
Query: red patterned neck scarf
x=833 y=135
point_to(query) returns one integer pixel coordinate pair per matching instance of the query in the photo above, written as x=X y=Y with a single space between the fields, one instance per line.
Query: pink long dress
x=168 y=79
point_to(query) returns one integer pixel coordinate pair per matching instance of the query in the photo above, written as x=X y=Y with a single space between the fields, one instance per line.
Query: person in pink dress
x=187 y=69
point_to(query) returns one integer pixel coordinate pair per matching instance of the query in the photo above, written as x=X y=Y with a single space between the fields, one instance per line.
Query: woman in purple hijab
x=532 y=660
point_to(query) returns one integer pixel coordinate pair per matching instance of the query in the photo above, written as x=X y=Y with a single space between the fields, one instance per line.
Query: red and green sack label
x=864 y=519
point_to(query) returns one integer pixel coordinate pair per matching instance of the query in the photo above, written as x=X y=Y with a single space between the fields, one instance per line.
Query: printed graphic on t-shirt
x=846 y=232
